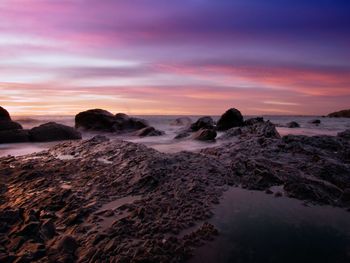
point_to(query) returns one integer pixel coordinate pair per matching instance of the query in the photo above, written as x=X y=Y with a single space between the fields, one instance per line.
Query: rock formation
x=340 y=114
x=231 y=118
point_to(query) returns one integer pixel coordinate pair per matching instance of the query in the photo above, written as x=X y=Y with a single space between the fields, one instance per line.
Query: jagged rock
x=4 y=115
x=231 y=118
x=293 y=124
x=148 y=131
x=53 y=132
x=67 y=245
x=182 y=121
x=14 y=136
x=340 y=114
x=205 y=135
x=203 y=123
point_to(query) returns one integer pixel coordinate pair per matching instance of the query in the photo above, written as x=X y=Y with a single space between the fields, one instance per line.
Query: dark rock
x=231 y=118
x=123 y=122
x=48 y=229
x=345 y=198
x=205 y=135
x=340 y=114
x=67 y=245
x=315 y=121
x=293 y=124
x=53 y=132
x=10 y=125
x=345 y=134
x=182 y=121
x=14 y=136
x=95 y=120
x=253 y=121
x=182 y=135
x=204 y=122
x=148 y=131
x=4 y=115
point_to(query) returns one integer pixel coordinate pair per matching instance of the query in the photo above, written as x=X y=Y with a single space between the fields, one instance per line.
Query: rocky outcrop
x=149 y=131
x=101 y=120
x=340 y=114
x=293 y=124
x=205 y=135
x=53 y=132
x=203 y=123
x=231 y=118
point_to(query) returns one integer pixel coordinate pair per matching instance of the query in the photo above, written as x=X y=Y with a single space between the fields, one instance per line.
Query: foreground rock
x=116 y=201
x=231 y=118
x=53 y=132
x=340 y=114
x=345 y=134
x=102 y=120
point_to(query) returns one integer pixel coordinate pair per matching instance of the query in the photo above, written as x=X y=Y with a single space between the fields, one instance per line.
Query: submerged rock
x=203 y=123
x=340 y=114
x=182 y=134
x=293 y=124
x=182 y=121
x=53 y=132
x=231 y=118
x=315 y=121
x=205 y=135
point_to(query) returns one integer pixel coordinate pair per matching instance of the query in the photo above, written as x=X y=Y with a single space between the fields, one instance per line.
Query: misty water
x=166 y=143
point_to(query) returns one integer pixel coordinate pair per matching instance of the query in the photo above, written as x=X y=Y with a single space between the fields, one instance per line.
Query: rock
x=293 y=124
x=231 y=118
x=95 y=120
x=205 y=135
x=48 y=229
x=182 y=135
x=182 y=121
x=204 y=122
x=125 y=123
x=315 y=121
x=53 y=132
x=340 y=114
x=4 y=115
x=148 y=131
x=345 y=134
x=253 y=121
x=10 y=125
x=14 y=136
x=67 y=245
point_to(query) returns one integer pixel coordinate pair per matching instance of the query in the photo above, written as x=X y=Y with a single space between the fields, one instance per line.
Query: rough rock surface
x=203 y=123
x=205 y=135
x=345 y=134
x=340 y=114
x=102 y=120
x=117 y=201
x=231 y=118
x=53 y=132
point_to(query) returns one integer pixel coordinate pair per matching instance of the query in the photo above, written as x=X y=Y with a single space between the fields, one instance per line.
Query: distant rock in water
x=230 y=119
x=315 y=121
x=203 y=123
x=205 y=135
x=4 y=115
x=293 y=124
x=340 y=114
x=182 y=121
x=53 y=132
x=148 y=131
x=102 y=120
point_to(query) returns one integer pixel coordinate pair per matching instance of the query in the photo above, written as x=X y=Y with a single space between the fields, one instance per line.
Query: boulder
x=315 y=121
x=148 y=131
x=182 y=121
x=203 y=123
x=123 y=122
x=53 y=132
x=340 y=114
x=10 y=125
x=13 y=136
x=4 y=115
x=205 y=135
x=230 y=119
x=293 y=124
x=253 y=121
x=95 y=120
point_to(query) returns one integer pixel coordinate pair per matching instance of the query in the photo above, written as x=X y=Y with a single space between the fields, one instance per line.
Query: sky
x=193 y=57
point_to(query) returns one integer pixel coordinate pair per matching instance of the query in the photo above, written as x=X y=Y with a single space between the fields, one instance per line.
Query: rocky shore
x=102 y=200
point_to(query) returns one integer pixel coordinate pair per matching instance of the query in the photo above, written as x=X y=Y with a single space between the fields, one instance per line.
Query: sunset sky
x=174 y=57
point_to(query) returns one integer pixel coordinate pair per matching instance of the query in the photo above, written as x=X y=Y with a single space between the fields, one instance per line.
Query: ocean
x=166 y=143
